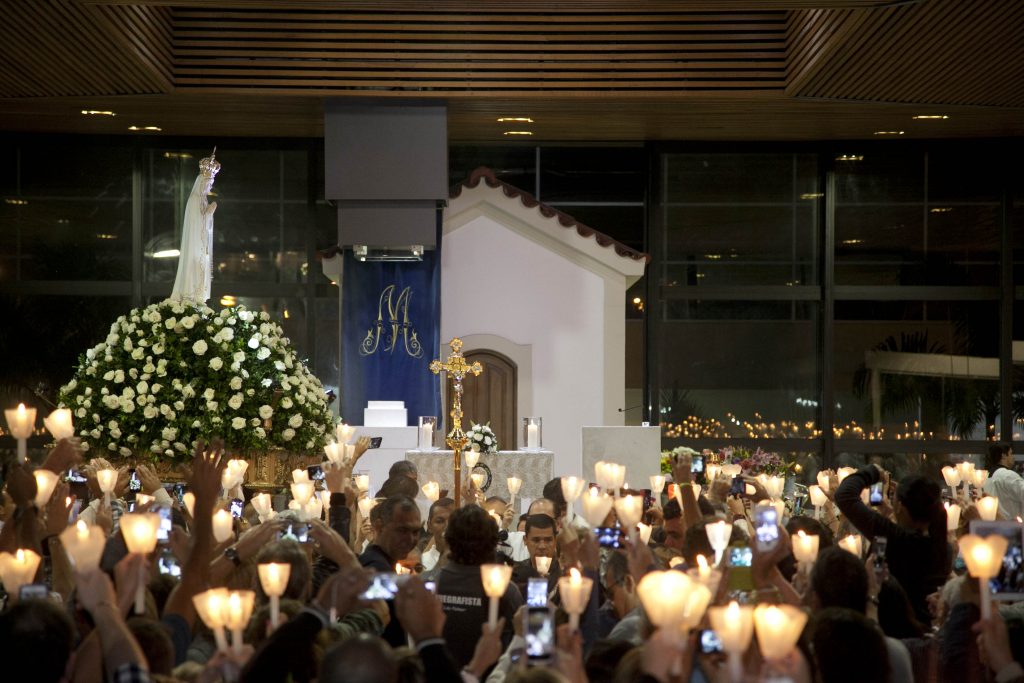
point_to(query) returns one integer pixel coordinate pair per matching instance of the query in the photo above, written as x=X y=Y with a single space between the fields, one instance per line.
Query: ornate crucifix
x=457 y=369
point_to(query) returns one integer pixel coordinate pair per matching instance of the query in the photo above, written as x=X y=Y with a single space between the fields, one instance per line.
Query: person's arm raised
x=96 y=595
x=864 y=519
x=682 y=476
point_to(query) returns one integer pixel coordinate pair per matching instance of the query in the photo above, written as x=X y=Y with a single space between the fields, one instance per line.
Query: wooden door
x=491 y=397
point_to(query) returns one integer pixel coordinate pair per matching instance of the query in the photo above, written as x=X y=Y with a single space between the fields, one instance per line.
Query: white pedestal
x=385 y=414
x=395 y=441
x=638 y=448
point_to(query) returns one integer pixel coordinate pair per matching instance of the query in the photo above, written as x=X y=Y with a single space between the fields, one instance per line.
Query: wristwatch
x=232 y=554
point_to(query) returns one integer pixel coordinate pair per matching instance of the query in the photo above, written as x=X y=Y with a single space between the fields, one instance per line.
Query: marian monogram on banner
x=392 y=324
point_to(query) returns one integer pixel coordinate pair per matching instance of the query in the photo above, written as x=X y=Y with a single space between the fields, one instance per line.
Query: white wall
x=495 y=281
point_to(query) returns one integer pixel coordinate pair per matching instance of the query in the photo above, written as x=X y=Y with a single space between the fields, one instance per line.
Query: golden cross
x=457 y=369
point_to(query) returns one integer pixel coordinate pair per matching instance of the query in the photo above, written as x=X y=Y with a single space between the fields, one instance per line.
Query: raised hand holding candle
x=805 y=550
x=472 y=458
x=344 y=433
x=658 y=483
x=513 y=484
x=952 y=516
x=237 y=612
x=543 y=564
x=980 y=477
x=712 y=470
x=223 y=525
x=572 y=487
x=984 y=559
x=610 y=476
x=478 y=480
x=46 y=481
x=300 y=475
x=139 y=531
x=84 y=545
x=274 y=579
x=644 y=532
x=495 y=578
x=59 y=424
x=18 y=569
x=988 y=507
x=778 y=628
x=854 y=543
x=823 y=481
x=107 y=480
x=630 y=510
x=575 y=592
x=596 y=506
x=952 y=477
x=366 y=505
x=719 y=534
x=210 y=605
x=189 y=499
x=734 y=626
x=20 y=423
x=432 y=490
x=264 y=506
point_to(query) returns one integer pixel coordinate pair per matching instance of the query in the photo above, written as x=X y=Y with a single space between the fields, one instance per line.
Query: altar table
x=533 y=467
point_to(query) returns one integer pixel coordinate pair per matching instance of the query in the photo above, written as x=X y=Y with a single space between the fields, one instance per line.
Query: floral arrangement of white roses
x=172 y=373
x=482 y=439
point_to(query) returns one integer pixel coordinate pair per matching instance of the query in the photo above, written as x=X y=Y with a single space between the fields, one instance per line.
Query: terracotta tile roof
x=486 y=175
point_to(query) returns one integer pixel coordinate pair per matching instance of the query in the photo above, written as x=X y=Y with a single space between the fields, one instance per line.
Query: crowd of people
x=394 y=595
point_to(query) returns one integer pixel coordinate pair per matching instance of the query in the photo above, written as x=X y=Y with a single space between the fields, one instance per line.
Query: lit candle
x=805 y=548
x=362 y=482
x=344 y=433
x=988 y=507
x=334 y=453
x=472 y=458
x=676 y=561
x=302 y=491
x=348 y=451
x=513 y=484
x=478 y=480
x=965 y=470
x=543 y=564
x=210 y=605
x=712 y=471
x=844 y=472
x=823 y=481
x=223 y=525
x=572 y=487
x=596 y=506
x=299 y=475
x=59 y=424
x=139 y=531
x=703 y=569
x=45 y=483
x=402 y=571
x=107 y=480
x=952 y=516
x=426 y=440
x=314 y=508
x=274 y=579
x=952 y=477
x=532 y=437
x=778 y=628
x=731 y=470
x=630 y=509
x=575 y=592
x=432 y=490
x=854 y=543
x=190 y=503
x=719 y=534
x=20 y=423
x=980 y=476
x=18 y=570
x=644 y=530
x=495 y=578
x=734 y=626
x=366 y=505
x=84 y=545
x=610 y=476
x=984 y=559
x=263 y=504
x=142 y=500
x=658 y=483
x=673 y=603
x=237 y=611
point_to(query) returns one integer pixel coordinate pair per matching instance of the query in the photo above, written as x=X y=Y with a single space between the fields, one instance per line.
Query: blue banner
x=391 y=319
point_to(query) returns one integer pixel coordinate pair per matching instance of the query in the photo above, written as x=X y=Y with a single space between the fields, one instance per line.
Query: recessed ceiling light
x=518 y=132
x=228 y=301
x=940 y=209
x=106 y=236
x=713 y=257
x=850 y=157
x=97 y=112
x=156 y=128
x=177 y=155
x=515 y=119
x=16 y=202
x=167 y=253
x=930 y=117
x=812 y=195
x=850 y=243
x=888 y=132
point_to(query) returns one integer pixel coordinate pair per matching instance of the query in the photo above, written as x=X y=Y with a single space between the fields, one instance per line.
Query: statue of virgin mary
x=195 y=263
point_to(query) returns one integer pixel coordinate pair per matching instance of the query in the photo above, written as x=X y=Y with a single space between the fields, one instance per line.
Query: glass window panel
x=964 y=174
x=739 y=178
x=936 y=362
x=9 y=170
x=588 y=174
x=77 y=171
x=739 y=310
x=880 y=176
x=516 y=166
x=66 y=239
x=731 y=274
x=326 y=367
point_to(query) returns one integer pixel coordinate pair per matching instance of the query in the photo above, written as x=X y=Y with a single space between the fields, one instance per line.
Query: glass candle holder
x=532 y=438
x=425 y=440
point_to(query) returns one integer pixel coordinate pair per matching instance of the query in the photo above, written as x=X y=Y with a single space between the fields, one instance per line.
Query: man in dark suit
x=540 y=542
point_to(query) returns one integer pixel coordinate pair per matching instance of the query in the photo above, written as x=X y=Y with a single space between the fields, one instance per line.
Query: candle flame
x=702 y=562
x=574 y=577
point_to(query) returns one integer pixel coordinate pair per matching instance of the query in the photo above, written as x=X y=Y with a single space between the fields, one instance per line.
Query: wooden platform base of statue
x=268 y=471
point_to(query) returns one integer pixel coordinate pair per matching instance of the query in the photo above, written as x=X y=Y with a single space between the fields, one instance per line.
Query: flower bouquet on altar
x=482 y=439
x=175 y=372
x=756 y=462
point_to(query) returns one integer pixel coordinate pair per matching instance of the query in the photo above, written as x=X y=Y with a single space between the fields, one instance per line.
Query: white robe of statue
x=195 y=262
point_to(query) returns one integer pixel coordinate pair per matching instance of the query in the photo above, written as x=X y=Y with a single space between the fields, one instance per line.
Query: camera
x=163 y=532
x=609 y=537
x=537 y=593
x=237 y=505
x=296 y=532
x=878 y=548
x=316 y=472
x=697 y=464
x=168 y=565
x=382 y=587
x=875 y=496
x=709 y=642
x=741 y=556
x=134 y=484
x=540 y=636
x=766 y=527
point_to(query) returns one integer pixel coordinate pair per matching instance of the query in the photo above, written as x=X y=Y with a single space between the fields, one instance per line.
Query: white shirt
x=1008 y=487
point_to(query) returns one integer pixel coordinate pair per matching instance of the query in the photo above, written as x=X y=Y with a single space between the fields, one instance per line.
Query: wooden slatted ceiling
x=60 y=47
x=510 y=5
x=465 y=54
x=941 y=52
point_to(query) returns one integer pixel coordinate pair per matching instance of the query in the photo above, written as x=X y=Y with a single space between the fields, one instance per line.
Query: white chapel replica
x=529 y=282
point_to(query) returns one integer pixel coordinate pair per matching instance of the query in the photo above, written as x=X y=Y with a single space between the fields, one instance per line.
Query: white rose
x=169 y=433
x=487 y=441
x=288 y=434
x=254 y=341
x=155 y=389
x=238 y=423
x=149 y=412
x=133 y=373
x=164 y=409
x=108 y=375
x=279 y=365
x=188 y=322
x=188 y=392
x=286 y=402
x=142 y=387
x=170 y=323
x=128 y=345
x=149 y=367
x=112 y=446
x=236 y=383
x=235 y=402
x=211 y=406
x=246 y=316
x=263 y=353
x=266 y=412
x=478 y=437
x=250 y=392
x=118 y=376
x=80 y=412
x=137 y=354
x=216 y=363
x=178 y=405
x=128 y=406
x=260 y=432
x=158 y=348
x=199 y=348
x=209 y=394
x=115 y=433
x=476 y=448
x=295 y=421
x=227 y=334
x=238 y=356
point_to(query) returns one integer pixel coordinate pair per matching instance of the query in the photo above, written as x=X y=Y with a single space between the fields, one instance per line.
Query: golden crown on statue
x=209 y=166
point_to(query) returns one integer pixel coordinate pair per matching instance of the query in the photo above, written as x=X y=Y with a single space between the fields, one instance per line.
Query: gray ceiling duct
x=386 y=167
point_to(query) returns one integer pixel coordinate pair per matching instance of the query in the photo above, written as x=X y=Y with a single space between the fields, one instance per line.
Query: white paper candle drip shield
x=543 y=564
x=18 y=569
x=139 y=531
x=734 y=626
x=575 y=592
x=223 y=526
x=84 y=545
x=300 y=475
x=237 y=612
x=778 y=628
x=472 y=458
x=302 y=491
x=335 y=454
x=823 y=481
x=951 y=475
x=210 y=607
x=596 y=506
x=854 y=543
x=514 y=484
x=719 y=534
x=610 y=476
x=432 y=490
x=704 y=574
x=495 y=578
x=190 y=503
x=366 y=506
x=630 y=510
x=59 y=424
x=572 y=487
x=952 y=516
x=362 y=482
x=658 y=484
x=263 y=504
x=818 y=497
x=107 y=480
x=984 y=559
x=20 y=423
x=805 y=548
x=344 y=433
x=988 y=508
x=46 y=481
x=673 y=601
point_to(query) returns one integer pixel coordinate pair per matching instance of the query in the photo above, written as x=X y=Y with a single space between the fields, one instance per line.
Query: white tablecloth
x=534 y=468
